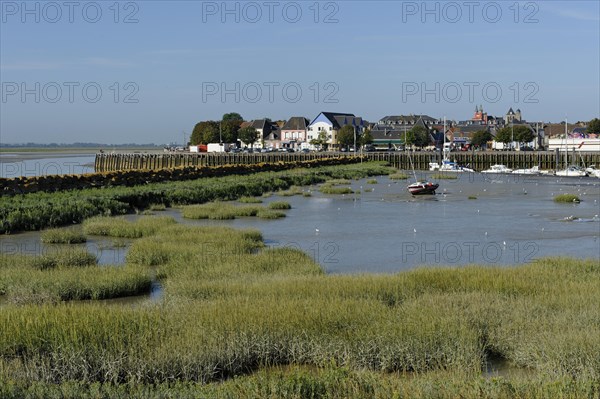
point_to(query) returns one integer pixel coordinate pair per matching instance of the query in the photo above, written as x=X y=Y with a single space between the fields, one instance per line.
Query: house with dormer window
x=331 y=123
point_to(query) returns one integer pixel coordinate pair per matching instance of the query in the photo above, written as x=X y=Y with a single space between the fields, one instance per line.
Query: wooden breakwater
x=477 y=160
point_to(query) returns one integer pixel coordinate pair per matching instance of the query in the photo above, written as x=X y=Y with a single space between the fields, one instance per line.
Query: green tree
x=418 y=136
x=345 y=136
x=504 y=135
x=205 y=132
x=248 y=135
x=523 y=134
x=480 y=138
x=321 y=140
x=594 y=126
x=366 y=137
x=232 y=116
x=229 y=131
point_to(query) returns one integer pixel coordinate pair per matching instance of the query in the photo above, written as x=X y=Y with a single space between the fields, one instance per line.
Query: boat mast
x=566 y=145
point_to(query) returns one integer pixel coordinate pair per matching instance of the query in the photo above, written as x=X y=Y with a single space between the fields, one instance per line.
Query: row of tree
x=227 y=130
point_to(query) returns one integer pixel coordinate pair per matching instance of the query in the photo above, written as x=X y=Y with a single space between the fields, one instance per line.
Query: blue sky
x=162 y=66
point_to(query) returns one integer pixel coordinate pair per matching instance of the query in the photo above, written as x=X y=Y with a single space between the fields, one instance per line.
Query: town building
x=330 y=123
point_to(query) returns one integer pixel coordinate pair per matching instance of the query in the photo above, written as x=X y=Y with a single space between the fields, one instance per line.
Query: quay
x=546 y=160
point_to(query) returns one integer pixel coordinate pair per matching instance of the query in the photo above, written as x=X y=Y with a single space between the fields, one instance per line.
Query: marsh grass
x=338 y=182
x=281 y=205
x=219 y=211
x=227 y=211
x=270 y=214
x=157 y=207
x=292 y=191
x=70 y=257
x=67 y=274
x=444 y=176
x=122 y=228
x=372 y=181
x=567 y=198
x=250 y=200
x=328 y=189
x=269 y=321
x=398 y=176
x=472 y=197
x=63 y=236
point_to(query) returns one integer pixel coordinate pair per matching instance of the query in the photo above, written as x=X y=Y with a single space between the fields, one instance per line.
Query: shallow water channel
x=508 y=220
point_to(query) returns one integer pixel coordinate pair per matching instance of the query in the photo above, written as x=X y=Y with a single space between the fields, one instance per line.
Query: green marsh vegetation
x=250 y=200
x=63 y=236
x=280 y=205
x=446 y=176
x=398 y=176
x=37 y=211
x=123 y=228
x=67 y=274
x=567 y=198
x=269 y=322
x=228 y=211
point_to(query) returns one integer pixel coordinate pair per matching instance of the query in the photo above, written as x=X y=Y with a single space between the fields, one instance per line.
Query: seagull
x=486 y=233
x=415 y=231
x=317 y=230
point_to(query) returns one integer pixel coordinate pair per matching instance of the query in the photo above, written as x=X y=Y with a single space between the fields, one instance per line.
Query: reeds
x=398 y=176
x=63 y=236
x=232 y=307
x=123 y=228
x=444 y=176
x=567 y=198
x=281 y=205
x=328 y=189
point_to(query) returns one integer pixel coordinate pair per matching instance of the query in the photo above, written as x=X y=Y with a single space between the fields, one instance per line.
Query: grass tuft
x=567 y=198
x=398 y=176
x=63 y=236
x=280 y=205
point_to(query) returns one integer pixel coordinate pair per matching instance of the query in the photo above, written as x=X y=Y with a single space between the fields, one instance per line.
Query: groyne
x=401 y=160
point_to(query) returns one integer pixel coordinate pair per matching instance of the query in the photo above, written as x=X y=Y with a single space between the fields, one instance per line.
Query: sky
x=148 y=71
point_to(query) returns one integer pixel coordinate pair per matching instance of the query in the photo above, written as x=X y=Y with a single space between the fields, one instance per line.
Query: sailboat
x=447 y=165
x=572 y=170
x=420 y=187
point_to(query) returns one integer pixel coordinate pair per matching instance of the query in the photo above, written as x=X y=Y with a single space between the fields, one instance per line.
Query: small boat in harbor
x=497 y=169
x=531 y=171
x=592 y=171
x=423 y=188
x=571 y=171
x=449 y=166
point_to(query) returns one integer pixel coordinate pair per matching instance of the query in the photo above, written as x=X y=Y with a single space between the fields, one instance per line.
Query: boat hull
x=423 y=188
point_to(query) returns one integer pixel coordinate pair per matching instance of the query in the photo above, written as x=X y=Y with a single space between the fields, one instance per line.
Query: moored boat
x=497 y=169
x=423 y=188
x=571 y=171
x=531 y=171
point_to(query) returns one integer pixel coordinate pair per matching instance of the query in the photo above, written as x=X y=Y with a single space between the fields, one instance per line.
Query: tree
x=594 y=126
x=366 y=137
x=205 y=132
x=504 y=135
x=248 y=135
x=523 y=134
x=229 y=131
x=417 y=136
x=232 y=116
x=480 y=138
x=345 y=136
x=321 y=140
